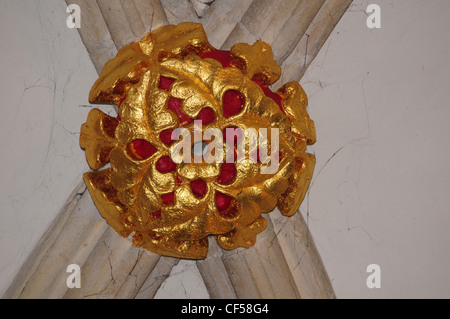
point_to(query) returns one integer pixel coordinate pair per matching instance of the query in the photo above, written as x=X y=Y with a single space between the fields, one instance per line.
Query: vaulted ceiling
x=284 y=263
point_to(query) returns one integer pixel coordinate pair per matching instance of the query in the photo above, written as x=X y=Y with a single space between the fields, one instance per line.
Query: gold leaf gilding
x=160 y=208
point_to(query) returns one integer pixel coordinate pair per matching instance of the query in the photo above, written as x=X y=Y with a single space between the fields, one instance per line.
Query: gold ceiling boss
x=174 y=79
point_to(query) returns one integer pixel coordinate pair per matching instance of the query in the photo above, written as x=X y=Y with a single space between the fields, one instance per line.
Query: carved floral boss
x=168 y=80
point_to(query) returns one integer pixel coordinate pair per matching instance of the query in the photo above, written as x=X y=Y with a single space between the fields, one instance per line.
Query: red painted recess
x=165 y=83
x=175 y=105
x=156 y=214
x=141 y=150
x=168 y=199
x=199 y=188
x=232 y=103
x=206 y=116
x=166 y=137
x=165 y=165
x=227 y=173
x=223 y=201
x=223 y=57
x=225 y=205
x=109 y=125
x=268 y=92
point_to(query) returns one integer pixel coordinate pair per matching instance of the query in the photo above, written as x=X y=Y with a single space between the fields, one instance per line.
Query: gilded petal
x=97 y=138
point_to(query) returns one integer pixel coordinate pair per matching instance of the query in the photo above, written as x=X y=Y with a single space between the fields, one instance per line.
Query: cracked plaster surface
x=379 y=99
x=46 y=73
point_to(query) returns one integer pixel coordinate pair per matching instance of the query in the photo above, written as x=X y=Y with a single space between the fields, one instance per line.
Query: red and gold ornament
x=165 y=81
